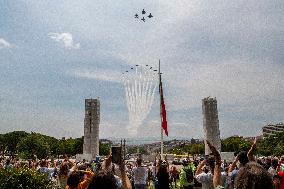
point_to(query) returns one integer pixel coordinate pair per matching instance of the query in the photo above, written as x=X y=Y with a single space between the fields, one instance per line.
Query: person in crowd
x=1 y=166
x=281 y=164
x=217 y=168
x=206 y=177
x=122 y=180
x=174 y=175
x=79 y=179
x=163 y=177
x=8 y=164
x=44 y=168
x=253 y=176
x=276 y=182
x=140 y=175
x=241 y=159
x=150 y=176
x=63 y=174
x=267 y=163
x=104 y=180
x=273 y=170
x=281 y=175
x=186 y=175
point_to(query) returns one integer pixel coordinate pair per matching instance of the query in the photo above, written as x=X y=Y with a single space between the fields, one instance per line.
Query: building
x=211 y=123
x=270 y=129
x=91 y=130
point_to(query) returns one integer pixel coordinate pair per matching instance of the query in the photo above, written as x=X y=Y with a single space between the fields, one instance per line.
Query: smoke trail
x=140 y=86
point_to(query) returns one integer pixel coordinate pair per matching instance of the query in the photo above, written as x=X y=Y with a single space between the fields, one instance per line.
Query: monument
x=211 y=123
x=91 y=130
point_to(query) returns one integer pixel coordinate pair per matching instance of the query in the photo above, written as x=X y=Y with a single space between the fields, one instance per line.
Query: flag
x=163 y=109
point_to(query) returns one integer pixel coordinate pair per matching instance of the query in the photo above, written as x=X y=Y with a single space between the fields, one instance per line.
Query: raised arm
x=168 y=165
x=126 y=184
x=233 y=165
x=251 y=151
x=217 y=168
x=199 y=167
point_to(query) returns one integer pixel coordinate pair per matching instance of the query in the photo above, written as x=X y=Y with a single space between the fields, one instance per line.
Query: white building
x=270 y=129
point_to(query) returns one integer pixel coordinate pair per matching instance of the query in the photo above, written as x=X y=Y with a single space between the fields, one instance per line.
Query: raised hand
x=108 y=161
x=251 y=150
x=215 y=152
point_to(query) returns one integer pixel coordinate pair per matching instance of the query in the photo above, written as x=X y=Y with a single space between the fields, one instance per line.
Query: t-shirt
x=232 y=177
x=206 y=179
x=140 y=175
x=272 y=171
x=47 y=171
x=182 y=176
x=281 y=174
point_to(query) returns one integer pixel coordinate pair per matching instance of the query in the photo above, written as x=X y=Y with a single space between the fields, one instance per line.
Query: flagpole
x=162 y=135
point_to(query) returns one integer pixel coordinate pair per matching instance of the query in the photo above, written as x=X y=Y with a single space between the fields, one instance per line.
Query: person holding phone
x=140 y=175
x=107 y=178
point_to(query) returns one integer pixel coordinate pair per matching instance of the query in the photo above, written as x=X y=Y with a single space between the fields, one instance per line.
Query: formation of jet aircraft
x=143 y=16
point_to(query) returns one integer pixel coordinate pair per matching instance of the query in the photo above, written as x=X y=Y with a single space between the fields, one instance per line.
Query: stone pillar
x=91 y=127
x=211 y=123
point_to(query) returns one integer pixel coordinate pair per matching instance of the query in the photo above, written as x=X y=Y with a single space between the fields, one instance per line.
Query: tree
x=272 y=145
x=11 y=140
x=2 y=144
x=33 y=144
x=235 y=144
x=197 y=149
x=104 y=149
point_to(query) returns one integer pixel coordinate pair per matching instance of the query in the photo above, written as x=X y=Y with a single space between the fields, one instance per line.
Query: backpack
x=189 y=174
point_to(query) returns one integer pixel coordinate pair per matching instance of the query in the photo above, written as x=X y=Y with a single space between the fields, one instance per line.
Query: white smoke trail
x=140 y=85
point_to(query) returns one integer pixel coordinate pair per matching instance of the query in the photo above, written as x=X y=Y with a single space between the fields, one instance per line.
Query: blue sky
x=54 y=54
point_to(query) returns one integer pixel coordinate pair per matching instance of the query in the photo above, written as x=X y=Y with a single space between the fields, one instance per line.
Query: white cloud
x=98 y=74
x=4 y=44
x=66 y=39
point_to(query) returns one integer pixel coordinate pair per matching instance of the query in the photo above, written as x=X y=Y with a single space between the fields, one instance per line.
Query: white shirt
x=206 y=179
x=140 y=175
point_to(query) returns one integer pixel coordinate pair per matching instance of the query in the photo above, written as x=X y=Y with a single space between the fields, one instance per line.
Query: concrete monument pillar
x=211 y=123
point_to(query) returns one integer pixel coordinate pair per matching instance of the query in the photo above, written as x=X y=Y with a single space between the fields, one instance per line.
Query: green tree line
x=273 y=145
x=28 y=145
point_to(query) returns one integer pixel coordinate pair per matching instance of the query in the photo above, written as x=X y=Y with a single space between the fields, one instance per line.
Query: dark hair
x=253 y=176
x=211 y=163
x=139 y=161
x=75 y=178
x=276 y=177
x=259 y=162
x=64 y=169
x=185 y=163
x=243 y=158
x=43 y=163
x=163 y=176
x=103 y=180
x=274 y=163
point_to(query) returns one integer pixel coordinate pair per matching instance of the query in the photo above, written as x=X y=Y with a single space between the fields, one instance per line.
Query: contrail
x=140 y=86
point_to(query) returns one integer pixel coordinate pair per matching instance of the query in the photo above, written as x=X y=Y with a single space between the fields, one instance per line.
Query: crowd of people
x=209 y=172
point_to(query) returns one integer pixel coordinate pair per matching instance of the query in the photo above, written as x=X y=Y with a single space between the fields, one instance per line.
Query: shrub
x=23 y=178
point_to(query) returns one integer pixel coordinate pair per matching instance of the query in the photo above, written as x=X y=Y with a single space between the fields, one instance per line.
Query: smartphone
x=116 y=153
x=210 y=159
x=206 y=159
